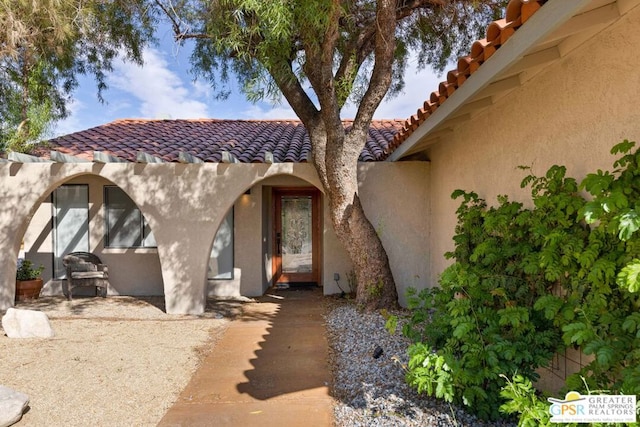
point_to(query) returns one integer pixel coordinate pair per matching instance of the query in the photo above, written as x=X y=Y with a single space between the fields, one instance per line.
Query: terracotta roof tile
x=246 y=140
x=498 y=32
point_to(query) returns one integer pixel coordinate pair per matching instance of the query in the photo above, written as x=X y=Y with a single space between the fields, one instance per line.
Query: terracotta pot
x=28 y=289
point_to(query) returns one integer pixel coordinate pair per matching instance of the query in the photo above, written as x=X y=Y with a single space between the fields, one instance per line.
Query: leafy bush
x=527 y=282
x=599 y=311
x=481 y=320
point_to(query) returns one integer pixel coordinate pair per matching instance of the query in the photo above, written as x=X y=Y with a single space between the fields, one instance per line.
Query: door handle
x=279 y=243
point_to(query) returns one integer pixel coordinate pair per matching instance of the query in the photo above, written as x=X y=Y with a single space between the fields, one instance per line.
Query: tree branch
x=382 y=69
x=179 y=34
x=295 y=94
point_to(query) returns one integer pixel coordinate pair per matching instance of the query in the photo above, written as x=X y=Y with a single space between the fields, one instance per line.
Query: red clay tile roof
x=498 y=32
x=246 y=140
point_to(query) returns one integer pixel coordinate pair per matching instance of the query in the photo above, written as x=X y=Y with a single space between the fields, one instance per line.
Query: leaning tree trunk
x=375 y=285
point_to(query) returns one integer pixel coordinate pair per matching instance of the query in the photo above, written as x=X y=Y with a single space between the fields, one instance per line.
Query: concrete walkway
x=270 y=368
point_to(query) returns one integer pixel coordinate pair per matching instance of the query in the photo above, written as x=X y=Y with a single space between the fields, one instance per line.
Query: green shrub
x=528 y=281
x=481 y=320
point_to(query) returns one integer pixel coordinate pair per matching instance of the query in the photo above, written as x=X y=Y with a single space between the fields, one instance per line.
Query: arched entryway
x=89 y=213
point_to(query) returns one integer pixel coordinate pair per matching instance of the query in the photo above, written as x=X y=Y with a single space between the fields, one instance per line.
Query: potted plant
x=28 y=280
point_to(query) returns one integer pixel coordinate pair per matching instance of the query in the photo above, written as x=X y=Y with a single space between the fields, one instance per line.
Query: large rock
x=12 y=406
x=26 y=324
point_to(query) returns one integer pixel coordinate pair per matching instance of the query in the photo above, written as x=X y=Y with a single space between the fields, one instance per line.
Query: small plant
x=523 y=399
x=26 y=270
x=352 y=281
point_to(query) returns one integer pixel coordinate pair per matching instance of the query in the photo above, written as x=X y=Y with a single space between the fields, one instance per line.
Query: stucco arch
x=250 y=239
x=23 y=188
x=183 y=203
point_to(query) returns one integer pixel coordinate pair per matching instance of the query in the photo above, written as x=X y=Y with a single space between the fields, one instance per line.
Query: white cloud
x=202 y=89
x=161 y=92
x=268 y=112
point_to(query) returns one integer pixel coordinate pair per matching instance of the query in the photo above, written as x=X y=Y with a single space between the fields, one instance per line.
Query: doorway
x=296 y=237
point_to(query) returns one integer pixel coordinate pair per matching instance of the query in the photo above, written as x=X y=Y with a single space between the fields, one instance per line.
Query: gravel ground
x=372 y=392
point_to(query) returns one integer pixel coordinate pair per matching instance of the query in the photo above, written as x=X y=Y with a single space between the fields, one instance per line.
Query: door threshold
x=296 y=285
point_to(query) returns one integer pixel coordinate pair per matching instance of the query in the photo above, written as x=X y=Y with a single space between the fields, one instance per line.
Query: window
x=70 y=223
x=125 y=224
x=221 y=259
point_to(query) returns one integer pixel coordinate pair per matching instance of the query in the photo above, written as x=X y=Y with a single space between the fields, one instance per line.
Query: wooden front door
x=296 y=235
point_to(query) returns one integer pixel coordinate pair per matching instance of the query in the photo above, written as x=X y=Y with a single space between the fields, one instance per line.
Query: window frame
x=58 y=272
x=142 y=220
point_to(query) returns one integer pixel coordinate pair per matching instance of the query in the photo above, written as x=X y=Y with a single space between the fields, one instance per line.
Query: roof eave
x=542 y=24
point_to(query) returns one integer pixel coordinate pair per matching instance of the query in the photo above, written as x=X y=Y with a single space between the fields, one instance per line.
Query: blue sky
x=164 y=89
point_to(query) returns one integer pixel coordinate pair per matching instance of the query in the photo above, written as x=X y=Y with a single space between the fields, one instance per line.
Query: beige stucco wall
x=395 y=197
x=184 y=205
x=572 y=114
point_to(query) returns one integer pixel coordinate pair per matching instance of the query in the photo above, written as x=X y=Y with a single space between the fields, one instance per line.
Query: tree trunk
x=375 y=285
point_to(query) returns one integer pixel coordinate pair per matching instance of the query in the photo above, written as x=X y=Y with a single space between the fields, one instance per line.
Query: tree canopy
x=46 y=44
x=262 y=42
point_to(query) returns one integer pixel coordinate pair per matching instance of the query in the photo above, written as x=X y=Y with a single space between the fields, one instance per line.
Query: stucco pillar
x=8 y=261
x=184 y=214
x=184 y=246
x=22 y=186
x=184 y=273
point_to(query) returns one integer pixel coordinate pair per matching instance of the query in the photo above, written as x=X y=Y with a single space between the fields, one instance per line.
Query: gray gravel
x=372 y=392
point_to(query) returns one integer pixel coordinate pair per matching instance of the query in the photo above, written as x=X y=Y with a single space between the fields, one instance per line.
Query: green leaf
x=592 y=212
x=551 y=305
x=617 y=200
x=605 y=355
x=457 y=193
x=631 y=324
x=629 y=276
x=623 y=147
x=578 y=332
x=463 y=329
x=597 y=183
x=628 y=223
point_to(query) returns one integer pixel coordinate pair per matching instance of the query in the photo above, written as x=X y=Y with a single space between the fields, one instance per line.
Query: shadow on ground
x=293 y=354
x=126 y=307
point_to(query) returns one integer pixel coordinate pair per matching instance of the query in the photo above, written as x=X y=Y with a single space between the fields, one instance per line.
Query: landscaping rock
x=12 y=406
x=26 y=324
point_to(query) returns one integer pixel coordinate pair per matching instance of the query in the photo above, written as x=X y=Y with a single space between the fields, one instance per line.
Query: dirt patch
x=118 y=361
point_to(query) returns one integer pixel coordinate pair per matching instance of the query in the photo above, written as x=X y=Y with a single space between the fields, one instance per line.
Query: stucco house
x=190 y=208
x=187 y=209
